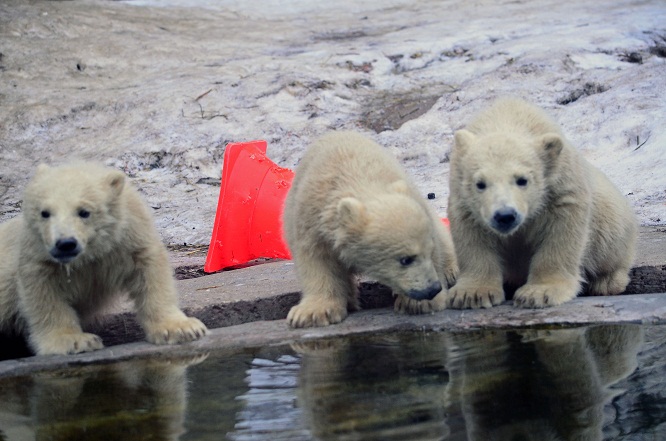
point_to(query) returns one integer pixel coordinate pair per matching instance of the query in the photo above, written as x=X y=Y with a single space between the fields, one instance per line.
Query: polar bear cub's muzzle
x=66 y=249
x=506 y=219
x=426 y=294
x=64 y=236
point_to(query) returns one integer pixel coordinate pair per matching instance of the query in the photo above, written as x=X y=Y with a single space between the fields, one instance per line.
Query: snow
x=163 y=85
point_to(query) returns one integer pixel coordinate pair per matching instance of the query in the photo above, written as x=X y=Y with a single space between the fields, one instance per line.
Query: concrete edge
x=267 y=292
x=640 y=309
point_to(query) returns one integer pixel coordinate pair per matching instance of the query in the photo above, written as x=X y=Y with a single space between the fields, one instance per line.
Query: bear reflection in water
x=491 y=385
x=487 y=385
x=560 y=392
x=114 y=402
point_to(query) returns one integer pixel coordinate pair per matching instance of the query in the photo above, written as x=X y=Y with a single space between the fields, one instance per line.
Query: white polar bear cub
x=351 y=209
x=528 y=210
x=83 y=238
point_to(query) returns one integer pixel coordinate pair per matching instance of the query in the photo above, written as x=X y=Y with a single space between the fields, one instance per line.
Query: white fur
x=351 y=209
x=571 y=223
x=119 y=252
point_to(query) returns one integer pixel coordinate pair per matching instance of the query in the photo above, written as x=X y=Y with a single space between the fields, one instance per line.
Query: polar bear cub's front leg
x=328 y=292
x=157 y=302
x=480 y=282
x=554 y=275
x=54 y=324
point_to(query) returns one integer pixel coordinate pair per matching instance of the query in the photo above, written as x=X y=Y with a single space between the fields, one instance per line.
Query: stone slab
x=645 y=309
x=651 y=246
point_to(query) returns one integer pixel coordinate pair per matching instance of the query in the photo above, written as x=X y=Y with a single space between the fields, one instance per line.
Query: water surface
x=590 y=383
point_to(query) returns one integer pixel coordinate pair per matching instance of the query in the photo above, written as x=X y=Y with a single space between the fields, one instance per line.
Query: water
x=590 y=383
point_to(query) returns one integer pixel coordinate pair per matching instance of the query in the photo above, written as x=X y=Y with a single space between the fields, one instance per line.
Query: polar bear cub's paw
x=470 y=295
x=319 y=313
x=69 y=342
x=541 y=295
x=175 y=330
x=407 y=305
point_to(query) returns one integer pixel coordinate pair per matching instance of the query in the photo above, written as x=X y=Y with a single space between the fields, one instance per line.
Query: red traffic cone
x=248 y=222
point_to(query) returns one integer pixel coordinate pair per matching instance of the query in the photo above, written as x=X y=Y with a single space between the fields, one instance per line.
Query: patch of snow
x=158 y=87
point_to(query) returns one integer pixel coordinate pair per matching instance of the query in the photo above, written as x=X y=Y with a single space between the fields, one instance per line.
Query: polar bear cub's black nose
x=66 y=249
x=433 y=290
x=505 y=219
x=426 y=294
x=67 y=245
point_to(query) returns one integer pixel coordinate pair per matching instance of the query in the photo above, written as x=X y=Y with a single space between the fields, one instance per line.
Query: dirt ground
x=159 y=91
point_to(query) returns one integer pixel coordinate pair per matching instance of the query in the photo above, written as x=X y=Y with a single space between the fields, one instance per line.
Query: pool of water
x=589 y=383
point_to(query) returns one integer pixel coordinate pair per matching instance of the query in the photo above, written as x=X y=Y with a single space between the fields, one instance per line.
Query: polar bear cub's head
x=72 y=210
x=391 y=239
x=504 y=176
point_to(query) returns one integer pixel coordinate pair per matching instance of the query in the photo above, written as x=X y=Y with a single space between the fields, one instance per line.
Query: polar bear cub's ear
x=399 y=187
x=41 y=168
x=551 y=145
x=351 y=213
x=115 y=181
x=463 y=139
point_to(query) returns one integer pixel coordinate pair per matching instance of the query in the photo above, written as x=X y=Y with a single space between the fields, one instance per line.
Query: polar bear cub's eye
x=481 y=185
x=84 y=214
x=521 y=182
x=45 y=214
x=407 y=260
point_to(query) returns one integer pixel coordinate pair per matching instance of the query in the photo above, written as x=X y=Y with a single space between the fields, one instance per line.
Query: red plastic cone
x=248 y=222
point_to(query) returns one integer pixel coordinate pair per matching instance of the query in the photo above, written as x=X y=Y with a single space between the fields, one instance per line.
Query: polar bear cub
x=352 y=209
x=528 y=210
x=83 y=238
